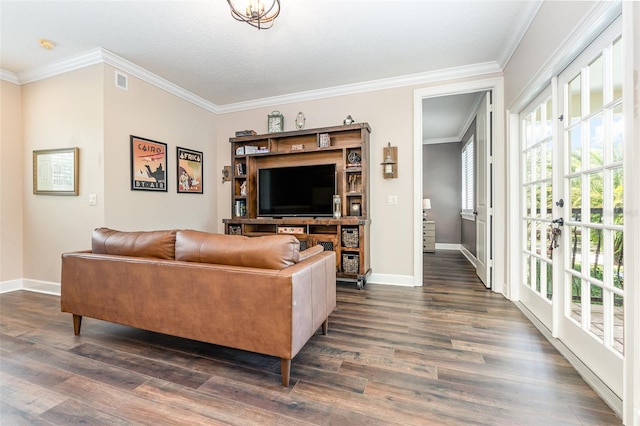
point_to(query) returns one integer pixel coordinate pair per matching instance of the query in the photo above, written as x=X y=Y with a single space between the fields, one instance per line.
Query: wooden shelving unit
x=345 y=146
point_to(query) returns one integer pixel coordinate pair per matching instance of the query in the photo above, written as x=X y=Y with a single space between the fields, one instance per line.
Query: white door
x=483 y=178
x=571 y=160
x=590 y=99
x=538 y=155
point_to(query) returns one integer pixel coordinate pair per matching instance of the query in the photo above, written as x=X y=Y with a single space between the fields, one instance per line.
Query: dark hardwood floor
x=450 y=352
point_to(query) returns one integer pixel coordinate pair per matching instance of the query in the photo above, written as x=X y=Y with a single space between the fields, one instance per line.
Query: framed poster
x=189 y=170
x=148 y=165
x=55 y=171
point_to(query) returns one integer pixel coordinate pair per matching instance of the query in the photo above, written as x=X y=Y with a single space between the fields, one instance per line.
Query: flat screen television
x=296 y=190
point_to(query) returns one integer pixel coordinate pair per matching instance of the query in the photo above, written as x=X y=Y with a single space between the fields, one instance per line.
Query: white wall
x=148 y=112
x=84 y=109
x=61 y=112
x=551 y=27
x=11 y=182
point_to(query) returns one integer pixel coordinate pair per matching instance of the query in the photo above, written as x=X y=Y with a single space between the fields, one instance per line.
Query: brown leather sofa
x=257 y=294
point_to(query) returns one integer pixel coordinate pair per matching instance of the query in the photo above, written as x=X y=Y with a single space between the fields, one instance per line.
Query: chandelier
x=256 y=13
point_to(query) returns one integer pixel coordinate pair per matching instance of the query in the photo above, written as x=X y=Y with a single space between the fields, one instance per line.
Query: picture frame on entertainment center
x=148 y=165
x=189 y=169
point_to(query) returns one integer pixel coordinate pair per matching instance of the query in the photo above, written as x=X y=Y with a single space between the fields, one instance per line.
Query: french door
x=539 y=155
x=572 y=208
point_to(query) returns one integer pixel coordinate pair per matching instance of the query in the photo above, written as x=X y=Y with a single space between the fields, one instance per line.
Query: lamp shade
x=426 y=203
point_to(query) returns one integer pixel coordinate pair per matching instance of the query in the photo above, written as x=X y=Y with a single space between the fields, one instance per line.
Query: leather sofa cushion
x=153 y=244
x=268 y=252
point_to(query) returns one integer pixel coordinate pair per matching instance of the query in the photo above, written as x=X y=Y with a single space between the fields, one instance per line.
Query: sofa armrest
x=311 y=251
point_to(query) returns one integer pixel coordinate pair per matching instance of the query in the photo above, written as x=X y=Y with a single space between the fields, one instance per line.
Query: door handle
x=559 y=221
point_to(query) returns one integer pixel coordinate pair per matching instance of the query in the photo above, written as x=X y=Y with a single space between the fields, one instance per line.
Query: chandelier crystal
x=259 y=14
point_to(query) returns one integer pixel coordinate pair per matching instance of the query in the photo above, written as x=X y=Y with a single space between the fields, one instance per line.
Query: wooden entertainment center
x=345 y=146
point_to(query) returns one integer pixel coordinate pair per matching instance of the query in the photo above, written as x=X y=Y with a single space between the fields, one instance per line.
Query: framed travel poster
x=189 y=170
x=148 y=165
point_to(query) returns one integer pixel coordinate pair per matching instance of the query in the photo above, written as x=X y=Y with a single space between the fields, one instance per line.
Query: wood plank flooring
x=450 y=352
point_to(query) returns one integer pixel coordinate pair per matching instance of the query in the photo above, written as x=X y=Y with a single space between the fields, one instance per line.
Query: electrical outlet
x=392 y=199
x=93 y=199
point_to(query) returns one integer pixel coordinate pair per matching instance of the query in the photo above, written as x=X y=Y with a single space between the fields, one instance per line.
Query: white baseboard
x=12 y=285
x=470 y=257
x=36 y=286
x=448 y=246
x=607 y=395
x=389 y=279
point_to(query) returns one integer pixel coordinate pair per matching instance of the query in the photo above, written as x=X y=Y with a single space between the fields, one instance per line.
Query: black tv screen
x=297 y=190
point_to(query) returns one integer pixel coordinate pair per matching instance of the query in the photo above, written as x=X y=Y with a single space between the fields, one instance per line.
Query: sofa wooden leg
x=325 y=327
x=285 y=370
x=77 y=323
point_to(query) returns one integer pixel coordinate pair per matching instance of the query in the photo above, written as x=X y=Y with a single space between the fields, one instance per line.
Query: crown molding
x=433 y=141
x=524 y=20
x=473 y=70
x=83 y=60
x=8 y=76
x=100 y=55
x=141 y=73
x=599 y=17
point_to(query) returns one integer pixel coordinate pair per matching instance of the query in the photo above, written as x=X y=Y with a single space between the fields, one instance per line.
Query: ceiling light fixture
x=47 y=44
x=255 y=12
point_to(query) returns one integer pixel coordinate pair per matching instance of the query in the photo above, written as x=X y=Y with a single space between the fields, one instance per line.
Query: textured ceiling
x=314 y=45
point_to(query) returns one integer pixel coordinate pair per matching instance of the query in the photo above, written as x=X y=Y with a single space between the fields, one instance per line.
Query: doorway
x=448 y=204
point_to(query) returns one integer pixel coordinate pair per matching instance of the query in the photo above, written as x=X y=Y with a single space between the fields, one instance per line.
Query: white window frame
x=467 y=196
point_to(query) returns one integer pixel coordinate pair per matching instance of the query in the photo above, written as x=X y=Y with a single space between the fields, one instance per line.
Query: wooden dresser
x=428 y=236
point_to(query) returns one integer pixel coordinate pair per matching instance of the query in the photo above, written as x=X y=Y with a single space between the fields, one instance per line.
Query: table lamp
x=426 y=205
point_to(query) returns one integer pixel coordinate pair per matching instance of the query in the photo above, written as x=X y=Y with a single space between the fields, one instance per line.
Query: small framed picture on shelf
x=324 y=140
x=240 y=169
x=275 y=122
x=355 y=209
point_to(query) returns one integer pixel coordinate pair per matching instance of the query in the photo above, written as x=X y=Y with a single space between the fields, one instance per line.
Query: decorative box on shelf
x=350 y=263
x=235 y=230
x=350 y=237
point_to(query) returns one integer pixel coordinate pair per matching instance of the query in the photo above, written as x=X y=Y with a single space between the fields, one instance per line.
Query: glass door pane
x=537 y=159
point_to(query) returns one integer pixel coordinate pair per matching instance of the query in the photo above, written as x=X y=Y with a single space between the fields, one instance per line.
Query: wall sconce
x=390 y=163
x=226 y=174
x=426 y=205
